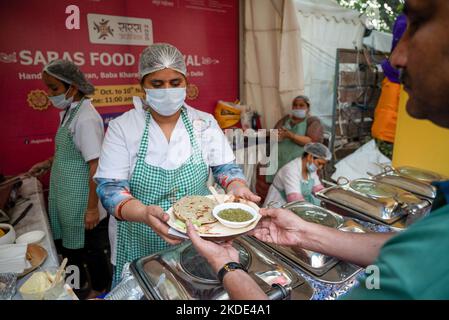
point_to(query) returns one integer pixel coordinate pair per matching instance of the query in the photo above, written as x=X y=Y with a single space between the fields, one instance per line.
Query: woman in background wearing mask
x=75 y=212
x=157 y=153
x=295 y=131
x=298 y=179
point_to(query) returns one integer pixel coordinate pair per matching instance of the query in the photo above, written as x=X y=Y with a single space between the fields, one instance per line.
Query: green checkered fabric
x=156 y=186
x=69 y=188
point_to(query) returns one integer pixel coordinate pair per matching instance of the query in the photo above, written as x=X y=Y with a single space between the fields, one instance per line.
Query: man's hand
x=91 y=218
x=240 y=190
x=157 y=219
x=279 y=226
x=216 y=254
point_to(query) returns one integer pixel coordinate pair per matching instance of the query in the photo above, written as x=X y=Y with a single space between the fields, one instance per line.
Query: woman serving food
x=155 y=154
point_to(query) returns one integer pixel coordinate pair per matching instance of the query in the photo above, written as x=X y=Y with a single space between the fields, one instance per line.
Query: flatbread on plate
x=195 y=208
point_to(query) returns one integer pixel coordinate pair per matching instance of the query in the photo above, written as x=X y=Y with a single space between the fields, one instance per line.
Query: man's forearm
x=358 y=248
x=240 y=286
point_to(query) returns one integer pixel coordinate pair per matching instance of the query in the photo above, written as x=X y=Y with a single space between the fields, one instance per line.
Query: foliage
x=382 y=12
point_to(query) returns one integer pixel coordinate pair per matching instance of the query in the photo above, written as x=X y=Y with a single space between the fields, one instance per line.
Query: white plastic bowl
x=10 y=235
x=235 y=205
x=31 y=237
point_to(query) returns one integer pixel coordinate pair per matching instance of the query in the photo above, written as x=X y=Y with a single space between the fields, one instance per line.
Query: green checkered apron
x=69 y=188
x=287 y=149
x=156 y=186
x=306 y=191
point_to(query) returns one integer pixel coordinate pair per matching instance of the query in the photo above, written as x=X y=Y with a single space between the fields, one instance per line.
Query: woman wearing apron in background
x=76 y=216
x=298 y=180
x=157 y=153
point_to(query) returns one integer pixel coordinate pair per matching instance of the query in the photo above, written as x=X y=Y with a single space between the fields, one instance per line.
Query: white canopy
x=325 y=26
x=290 y=49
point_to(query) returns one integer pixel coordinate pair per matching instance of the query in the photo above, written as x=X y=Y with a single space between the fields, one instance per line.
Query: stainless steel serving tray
x=174 y=275
x=414 y=180
x=373 y=201
x=321 y=267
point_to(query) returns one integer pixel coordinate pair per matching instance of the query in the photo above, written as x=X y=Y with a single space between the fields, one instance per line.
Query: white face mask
x=60 y=101
x=166 y=102
x=299 y=113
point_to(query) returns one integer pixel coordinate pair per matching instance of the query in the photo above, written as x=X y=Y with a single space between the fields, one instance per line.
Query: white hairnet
x=318 y=150
x=68 y=72
x=160 y=56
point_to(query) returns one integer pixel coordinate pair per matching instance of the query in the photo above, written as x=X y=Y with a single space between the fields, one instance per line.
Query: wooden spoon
x=216 y=195
x=60 y=270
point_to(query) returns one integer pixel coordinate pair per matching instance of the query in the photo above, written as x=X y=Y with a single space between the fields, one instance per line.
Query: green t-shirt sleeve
x=414 y=263
x=390 y=287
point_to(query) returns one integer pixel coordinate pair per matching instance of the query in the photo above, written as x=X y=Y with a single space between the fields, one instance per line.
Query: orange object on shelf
x=227 y=114
x=386 y=113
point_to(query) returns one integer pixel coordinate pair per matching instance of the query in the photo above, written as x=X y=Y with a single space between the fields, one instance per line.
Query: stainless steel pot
x=321 y=267
x=414 y=180
x=179 y=273
x=374 y=201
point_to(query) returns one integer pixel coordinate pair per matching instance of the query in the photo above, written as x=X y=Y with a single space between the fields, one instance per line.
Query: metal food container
x=179 y=273
x=374 y=201
x=414 y=180
x=321 y=267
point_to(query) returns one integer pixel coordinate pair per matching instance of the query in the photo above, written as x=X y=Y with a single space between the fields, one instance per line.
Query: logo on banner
x=192 y=91
x=103 y=29
x=108 y=29
x=38 y=100
x=8 y=58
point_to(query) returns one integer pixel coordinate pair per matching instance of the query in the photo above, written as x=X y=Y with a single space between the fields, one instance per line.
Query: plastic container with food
x=41 y=285
x=7 y=234
x=235 y=215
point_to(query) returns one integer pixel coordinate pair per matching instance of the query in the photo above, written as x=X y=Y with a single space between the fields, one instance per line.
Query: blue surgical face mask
x=299 y=113
x=311 y=167
x=60 y=101
x=166 y=102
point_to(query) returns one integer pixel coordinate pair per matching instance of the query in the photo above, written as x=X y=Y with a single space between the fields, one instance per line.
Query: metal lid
x=373 y=189
x=419 y=174
x=315 y=214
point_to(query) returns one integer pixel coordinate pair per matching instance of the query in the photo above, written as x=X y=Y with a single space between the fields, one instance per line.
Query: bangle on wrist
x=240 y=181
x=118 y=215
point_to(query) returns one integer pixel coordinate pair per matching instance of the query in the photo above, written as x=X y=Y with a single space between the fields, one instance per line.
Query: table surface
x=36 y=219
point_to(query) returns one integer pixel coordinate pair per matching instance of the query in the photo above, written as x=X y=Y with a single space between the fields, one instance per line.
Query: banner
x=104 y=38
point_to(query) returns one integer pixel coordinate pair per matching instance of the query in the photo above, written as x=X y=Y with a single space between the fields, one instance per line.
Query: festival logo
x=106 y=29
x=192 y=91
x=8 y=58
x=38 y=100
x=103 y=29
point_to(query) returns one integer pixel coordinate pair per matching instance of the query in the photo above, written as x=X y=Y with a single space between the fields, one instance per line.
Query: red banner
x=104 y=38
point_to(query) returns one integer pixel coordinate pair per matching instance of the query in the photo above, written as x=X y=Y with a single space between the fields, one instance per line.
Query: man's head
x=423 y=56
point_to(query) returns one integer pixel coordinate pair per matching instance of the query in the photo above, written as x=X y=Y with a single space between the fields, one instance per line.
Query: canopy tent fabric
x=327 y=9
x=273 y=58
x=290 y=49
x=325 y=26
x=378 y=40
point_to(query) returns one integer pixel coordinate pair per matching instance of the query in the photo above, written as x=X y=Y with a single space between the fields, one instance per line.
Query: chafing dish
x=414 y=180
x=179 y=273
x=375 y=202
x=321 y=267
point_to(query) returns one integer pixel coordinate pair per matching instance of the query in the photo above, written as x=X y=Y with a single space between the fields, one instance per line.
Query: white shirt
x=288 y=179
x=121 y=145
x=87 y=129
x=122 y=141
x=88 y=132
